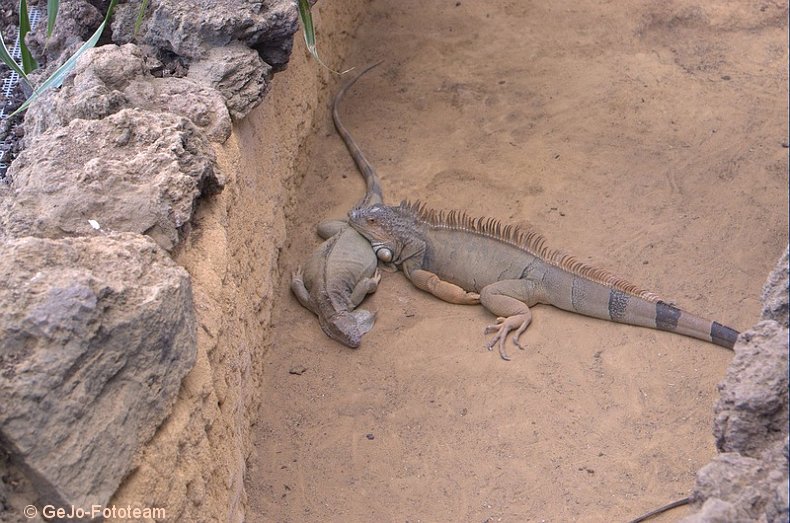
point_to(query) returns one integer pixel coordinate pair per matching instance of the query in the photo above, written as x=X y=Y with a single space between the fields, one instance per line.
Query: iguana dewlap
x=508 y=270
x=342 y=270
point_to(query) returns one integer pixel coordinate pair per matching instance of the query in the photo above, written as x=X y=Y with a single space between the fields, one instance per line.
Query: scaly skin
x=508 y=270
x=342 y=270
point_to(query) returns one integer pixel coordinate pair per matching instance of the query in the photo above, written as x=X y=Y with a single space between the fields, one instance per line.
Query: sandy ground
x=647 y=138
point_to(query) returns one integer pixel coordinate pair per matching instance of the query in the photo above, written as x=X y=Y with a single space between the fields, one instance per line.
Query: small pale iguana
x=343 y=269
x=508 y=269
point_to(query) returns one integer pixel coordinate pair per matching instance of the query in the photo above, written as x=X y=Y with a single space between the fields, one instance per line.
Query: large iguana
x=508 y=269
x=343 y=269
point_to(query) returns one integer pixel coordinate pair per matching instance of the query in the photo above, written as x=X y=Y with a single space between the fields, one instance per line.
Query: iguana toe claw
x=518 y=334
x=298 y=273
x=503 y=327
x=493 y=328
x=500 y=338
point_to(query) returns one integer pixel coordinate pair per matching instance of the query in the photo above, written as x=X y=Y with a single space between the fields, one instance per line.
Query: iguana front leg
x=364 y=287
x=444 y=290
x=507 y=299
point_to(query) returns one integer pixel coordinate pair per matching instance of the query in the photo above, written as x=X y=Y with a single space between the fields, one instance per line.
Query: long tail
x=600 y=301
x=373 y=193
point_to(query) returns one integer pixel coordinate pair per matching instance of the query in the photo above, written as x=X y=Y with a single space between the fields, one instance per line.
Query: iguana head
x=386 y=228
x=348 y=327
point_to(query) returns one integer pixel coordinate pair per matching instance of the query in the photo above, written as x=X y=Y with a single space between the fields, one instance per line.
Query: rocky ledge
x=98 y=322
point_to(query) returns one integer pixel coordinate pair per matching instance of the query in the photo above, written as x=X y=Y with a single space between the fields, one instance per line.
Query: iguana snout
x=348 y=327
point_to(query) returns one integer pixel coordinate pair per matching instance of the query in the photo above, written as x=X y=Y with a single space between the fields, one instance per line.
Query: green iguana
x=508 y=269
x=343 y=269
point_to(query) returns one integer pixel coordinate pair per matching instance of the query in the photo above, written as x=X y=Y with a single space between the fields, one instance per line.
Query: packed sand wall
x=179 y=150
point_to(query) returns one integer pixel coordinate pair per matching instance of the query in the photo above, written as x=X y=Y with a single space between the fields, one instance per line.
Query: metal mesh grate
x=9 y=84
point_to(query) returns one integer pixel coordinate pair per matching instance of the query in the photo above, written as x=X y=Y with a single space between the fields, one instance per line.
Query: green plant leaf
x=140 y=14
x=307 y=27
x=52 y=15
x=28 y=62
x=5 y=56
x=58 y=76
x=309 y=33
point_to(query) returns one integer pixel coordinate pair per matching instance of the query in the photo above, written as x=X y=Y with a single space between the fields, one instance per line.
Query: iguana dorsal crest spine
x=526 y=239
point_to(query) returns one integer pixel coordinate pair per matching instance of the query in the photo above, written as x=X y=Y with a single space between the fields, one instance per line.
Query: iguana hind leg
x=300 y=291
x=507 y=299
x=444 y=290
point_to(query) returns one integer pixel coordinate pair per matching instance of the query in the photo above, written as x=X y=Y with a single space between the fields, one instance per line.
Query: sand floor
x=646 y=138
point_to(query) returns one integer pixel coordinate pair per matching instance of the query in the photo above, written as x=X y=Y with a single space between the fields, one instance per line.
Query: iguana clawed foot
x=505 y=326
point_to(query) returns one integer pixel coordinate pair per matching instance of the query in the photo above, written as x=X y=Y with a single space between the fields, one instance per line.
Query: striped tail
x=670 y=318
x=373 y=194
x=633 y=310
x=645 y=309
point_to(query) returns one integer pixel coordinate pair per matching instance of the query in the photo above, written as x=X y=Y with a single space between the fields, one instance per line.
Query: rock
x=714 y=510
x=76 y=23
x=752 y=412
x=740 y=488
x=202 y=105
x=748 y=481
x=15 y=490
x=110 y=78
x=775 y=294
x=97 y=336
x=233 y=46
x=135 y=171
x=265 y=25
x=237 y=73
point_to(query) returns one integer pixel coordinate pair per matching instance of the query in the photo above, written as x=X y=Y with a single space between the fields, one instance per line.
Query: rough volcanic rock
x=748 y=481
x=92 y=354
x=232 y=46
x=775 y=294
x=740 y=488
x=266 y=26
x=135 y=171
x=76 y=23
x=110 y=78
x=752 y=412
x=237 y=73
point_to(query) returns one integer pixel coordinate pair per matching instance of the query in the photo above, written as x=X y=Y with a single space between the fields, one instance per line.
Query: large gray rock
x=109 y=78
x=733 y=487
x=237 y=73
x=775 y=294
x=97 y=334
x=190 y=28
x=752 y=412
x=135 y=171
x=748 y=481
x=76 y=23
x=233 y=46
